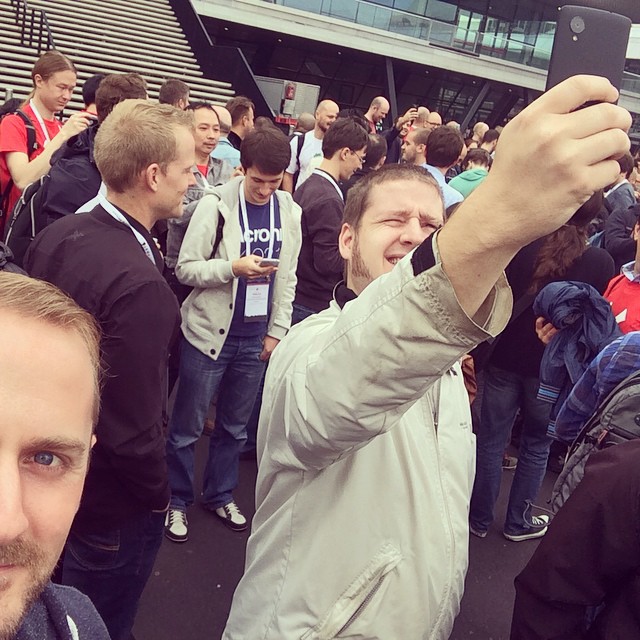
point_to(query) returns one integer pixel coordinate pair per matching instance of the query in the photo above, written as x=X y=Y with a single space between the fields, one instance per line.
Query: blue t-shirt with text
x=259 y=235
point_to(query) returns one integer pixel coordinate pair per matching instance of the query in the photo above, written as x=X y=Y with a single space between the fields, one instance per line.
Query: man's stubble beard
x=27 y=555
x=358 y=267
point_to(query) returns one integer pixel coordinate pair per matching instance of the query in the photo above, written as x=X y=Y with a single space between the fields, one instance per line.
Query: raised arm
x=520 y=201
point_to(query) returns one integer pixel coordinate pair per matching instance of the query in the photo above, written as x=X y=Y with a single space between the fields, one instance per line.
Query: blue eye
x=44 y=458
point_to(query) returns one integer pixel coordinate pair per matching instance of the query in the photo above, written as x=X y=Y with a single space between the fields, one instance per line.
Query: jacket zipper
x=361 y=607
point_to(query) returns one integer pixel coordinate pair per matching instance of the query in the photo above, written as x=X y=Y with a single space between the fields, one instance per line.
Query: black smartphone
x=589 y=41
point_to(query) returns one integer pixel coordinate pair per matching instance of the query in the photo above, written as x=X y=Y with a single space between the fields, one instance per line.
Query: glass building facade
x=518 y=31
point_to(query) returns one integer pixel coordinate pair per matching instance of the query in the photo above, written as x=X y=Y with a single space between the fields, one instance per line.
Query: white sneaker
x=539 y=528
x=232 y=516
x=175 y=526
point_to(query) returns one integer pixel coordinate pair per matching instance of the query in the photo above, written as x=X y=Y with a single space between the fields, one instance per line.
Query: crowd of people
x=329 y=303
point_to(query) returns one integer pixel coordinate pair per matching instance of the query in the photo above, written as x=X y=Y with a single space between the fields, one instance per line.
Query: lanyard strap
x=114 y=213
x=45 y=131
x=326 y=176
x=245 y=222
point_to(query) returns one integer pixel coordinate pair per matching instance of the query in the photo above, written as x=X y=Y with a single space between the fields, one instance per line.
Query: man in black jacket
x=618 y=235
x=320 y=265
x=108 y=263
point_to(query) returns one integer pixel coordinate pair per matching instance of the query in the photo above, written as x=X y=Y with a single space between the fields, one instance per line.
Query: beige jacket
x=208 y=310
x=366 y=465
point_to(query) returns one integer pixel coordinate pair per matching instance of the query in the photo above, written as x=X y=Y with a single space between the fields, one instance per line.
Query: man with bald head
x=224 y=149
x=479 y=129
x=306 y=122
x=421 y=121
x=434 y=119
x=377 y=112
x=306 y=151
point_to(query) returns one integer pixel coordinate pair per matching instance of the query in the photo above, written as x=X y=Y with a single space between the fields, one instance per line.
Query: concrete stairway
x=108 y=36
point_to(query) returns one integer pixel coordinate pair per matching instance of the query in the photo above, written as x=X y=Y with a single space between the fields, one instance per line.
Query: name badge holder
x=256 y=299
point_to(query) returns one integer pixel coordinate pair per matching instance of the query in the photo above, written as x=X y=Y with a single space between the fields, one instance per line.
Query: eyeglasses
x=357 y=155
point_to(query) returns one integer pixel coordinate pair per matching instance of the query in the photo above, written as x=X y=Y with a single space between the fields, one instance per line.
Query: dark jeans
x=300 y=312
x=112 y=568
x=504 y=393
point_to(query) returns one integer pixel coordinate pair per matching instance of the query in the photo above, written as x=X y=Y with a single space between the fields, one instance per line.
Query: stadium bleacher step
x=115 y=36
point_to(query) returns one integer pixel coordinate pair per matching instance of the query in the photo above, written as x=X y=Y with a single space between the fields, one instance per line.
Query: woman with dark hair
x=512 y=376
x=24 y=157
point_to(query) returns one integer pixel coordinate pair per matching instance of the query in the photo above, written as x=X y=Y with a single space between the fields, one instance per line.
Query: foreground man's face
x=46 y=402
x=400 y=216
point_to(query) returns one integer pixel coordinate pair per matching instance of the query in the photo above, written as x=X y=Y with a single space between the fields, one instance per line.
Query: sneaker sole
x=520 y=537
x=477 y=533
x=175 y=538
x=231 y=525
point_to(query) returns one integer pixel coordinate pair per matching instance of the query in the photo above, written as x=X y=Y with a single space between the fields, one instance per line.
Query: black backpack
x=7 y=262
x=32 y=146
x=616 y=420
x=27 y=219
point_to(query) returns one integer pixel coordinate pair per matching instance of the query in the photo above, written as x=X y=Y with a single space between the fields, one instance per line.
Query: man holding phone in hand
x=365 y=444
x=239 y=310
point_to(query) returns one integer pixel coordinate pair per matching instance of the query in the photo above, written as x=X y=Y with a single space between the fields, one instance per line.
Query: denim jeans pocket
x=95 y=551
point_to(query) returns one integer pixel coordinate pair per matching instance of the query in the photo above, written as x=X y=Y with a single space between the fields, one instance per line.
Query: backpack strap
x=299 y=150
x=32 y=143
x=32 y=146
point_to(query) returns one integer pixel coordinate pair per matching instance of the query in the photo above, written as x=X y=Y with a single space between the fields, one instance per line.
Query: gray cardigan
x=208 y=310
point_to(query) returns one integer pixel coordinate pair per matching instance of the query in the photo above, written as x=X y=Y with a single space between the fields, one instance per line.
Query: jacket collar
x=342 y=294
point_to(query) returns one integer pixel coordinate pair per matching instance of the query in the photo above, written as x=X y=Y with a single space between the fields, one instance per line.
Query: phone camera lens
x=577 y=25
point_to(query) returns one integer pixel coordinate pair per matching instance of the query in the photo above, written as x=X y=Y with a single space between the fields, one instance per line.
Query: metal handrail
x=35 y=30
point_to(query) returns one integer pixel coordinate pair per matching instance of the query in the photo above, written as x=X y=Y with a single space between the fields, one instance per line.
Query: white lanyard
x=45 y=131
x=326 y=176
x=245 y=222
x=114 y=213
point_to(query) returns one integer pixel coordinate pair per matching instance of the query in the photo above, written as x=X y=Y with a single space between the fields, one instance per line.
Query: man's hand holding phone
x=252 y=267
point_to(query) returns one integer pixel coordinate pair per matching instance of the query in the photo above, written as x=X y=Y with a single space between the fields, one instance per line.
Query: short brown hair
x=135 y=135
x=172 y=91
x=444 y=147
x=626 y=164
x=477 y=156
x=420 y=135
x=117 y=87
x=358 y=198
x=267 y=149
x=344 y=132
x=239 y=107
x=40 y=300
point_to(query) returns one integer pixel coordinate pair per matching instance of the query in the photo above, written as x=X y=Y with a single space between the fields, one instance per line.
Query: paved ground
x=189 y=595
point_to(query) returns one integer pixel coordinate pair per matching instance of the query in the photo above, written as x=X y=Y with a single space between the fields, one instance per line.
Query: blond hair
x=135 y=135
x=40 y=300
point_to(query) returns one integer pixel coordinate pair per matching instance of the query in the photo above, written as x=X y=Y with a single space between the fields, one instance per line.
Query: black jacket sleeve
x=617 y=236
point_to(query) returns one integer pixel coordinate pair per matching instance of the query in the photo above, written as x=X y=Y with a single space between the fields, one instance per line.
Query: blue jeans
x=300 y=312
x=504 y=393
x=237 y=373
x=112 y=568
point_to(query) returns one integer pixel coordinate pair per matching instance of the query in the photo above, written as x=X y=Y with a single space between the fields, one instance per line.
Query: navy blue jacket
x=586 y=325
x=62 y=613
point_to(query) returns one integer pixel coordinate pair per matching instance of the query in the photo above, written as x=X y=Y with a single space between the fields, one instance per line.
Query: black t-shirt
x=518 y=349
